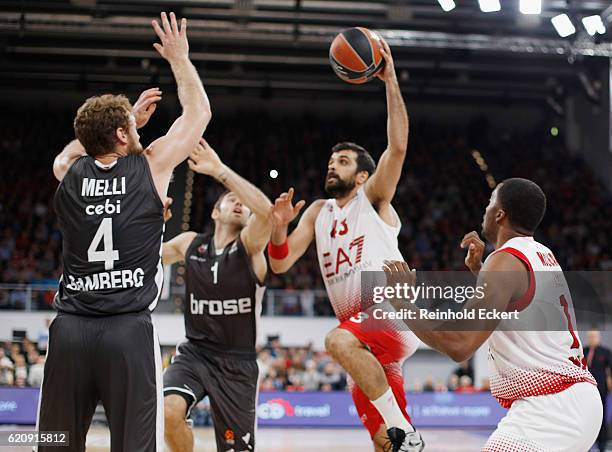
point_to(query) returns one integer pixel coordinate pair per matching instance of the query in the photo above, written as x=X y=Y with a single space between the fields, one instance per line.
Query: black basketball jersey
x=112 y=225
x=223 y=298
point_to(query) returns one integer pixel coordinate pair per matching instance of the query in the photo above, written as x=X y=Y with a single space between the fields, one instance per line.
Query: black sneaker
x=401 y=441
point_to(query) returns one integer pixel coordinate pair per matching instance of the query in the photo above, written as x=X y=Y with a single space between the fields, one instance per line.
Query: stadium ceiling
x=282 y=44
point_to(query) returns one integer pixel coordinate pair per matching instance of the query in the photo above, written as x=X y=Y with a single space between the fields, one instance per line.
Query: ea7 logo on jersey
x=221 y=307
x=333 y=264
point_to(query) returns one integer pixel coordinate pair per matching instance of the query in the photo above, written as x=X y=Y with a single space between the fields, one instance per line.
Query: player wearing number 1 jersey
x=356 y=230
x=102 y=344
x=540 y=375
x=224 y=289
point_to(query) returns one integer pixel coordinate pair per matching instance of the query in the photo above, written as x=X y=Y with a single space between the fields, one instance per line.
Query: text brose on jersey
x=112 y=224
x=223 y=297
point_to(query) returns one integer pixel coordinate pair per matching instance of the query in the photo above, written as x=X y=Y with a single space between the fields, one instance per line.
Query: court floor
x=310 y=440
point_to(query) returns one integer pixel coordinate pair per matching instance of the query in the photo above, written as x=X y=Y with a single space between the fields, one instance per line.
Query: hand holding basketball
x=204 y=159
x=475 y=247
x=145 y=106
x=174 y=44
x=283 y=211
x=387 y=73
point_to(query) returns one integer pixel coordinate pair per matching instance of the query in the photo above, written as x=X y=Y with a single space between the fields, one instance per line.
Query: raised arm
x=64 y=160
x=380 y=188
x=183 y=136
x=256 y=234
x=174 y=250
x=285 y=250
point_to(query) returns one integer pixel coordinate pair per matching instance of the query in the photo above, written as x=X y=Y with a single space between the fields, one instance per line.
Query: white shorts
x=568 y=421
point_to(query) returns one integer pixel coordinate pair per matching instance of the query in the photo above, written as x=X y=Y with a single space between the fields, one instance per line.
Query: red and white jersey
x=352 y=239
x=531 y=363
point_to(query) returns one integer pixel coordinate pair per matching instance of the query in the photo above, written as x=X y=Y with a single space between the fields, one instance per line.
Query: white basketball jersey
x=352 y=239
x=531 y=363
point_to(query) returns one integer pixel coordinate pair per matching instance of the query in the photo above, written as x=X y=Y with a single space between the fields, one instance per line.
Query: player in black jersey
x=225 y=277
x=110 y=201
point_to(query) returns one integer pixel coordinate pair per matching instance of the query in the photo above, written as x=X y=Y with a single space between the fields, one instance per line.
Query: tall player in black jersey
x=225 y=275
x=102 y=344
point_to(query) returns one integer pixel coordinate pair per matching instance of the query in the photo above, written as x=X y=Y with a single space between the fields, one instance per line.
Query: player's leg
x=178 y=434
x=367 y=372
x=374 y=422
x=184 y=382
x=129 y=381
x=364 y=349
x=68 y=396
x=233 y=400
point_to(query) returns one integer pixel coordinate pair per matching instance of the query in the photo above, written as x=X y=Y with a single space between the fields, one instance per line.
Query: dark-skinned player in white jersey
x=225 y=277
x=102 y=344
x=355 y=230
x=539 y=374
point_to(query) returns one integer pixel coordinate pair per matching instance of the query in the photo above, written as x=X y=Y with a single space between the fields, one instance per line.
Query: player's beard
x=339 y=188
x=135 y=147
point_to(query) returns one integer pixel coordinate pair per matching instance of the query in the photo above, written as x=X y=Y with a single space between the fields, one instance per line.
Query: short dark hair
x=523 y=201
x=219 y=200
x=365 y=162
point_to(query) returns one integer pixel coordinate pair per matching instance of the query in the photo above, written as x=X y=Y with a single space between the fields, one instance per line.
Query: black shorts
x=231 y=385
x=115 y=360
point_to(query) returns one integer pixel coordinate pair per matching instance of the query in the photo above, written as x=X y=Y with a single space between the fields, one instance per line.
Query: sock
x=390 y=411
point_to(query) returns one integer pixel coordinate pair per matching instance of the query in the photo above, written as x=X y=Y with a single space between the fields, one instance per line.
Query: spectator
x=35 y=376
x=465 y=385
x=311 y=379
x=21 y=368
x=6 y=369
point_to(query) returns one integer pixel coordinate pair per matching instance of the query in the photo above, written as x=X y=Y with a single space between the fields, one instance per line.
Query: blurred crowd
x=441 y=196
x=281 y=368
x=22 y=363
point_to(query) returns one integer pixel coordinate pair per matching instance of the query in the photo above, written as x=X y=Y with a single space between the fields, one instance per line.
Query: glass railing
x=308 y=303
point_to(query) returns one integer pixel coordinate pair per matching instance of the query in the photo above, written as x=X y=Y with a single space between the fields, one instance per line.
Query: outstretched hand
x=204 y=159
x=283 y=211
x=398 y=272
x=475 y=249
x=145 y=106
x=174 y=44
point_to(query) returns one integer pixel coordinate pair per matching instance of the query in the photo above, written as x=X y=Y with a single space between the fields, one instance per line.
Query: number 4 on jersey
x=108 y=255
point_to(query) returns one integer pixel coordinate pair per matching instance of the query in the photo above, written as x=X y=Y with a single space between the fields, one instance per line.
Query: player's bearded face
x=337 y=187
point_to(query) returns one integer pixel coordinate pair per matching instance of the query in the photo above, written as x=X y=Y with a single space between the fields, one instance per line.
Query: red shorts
x=390 y=349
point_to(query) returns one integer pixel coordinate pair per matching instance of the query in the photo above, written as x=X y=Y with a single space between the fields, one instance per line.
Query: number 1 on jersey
x=108 y=255
x=214 y=269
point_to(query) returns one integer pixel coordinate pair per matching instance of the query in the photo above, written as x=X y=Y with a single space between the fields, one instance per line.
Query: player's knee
x=338 y=340
x=175 y=409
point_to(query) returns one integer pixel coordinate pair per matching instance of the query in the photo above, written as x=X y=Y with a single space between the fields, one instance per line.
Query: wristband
x=278 y=252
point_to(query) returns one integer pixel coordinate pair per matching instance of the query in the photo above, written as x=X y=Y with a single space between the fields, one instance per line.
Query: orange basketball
x=355 y=55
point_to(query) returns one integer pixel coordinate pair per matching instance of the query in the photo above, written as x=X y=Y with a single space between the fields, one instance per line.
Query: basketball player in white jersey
x=356 y=230
x=541 y=376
